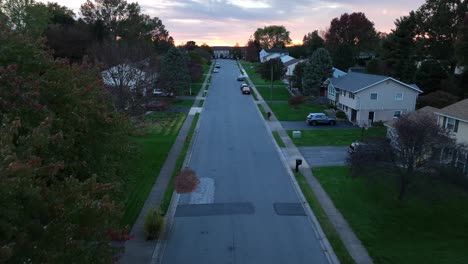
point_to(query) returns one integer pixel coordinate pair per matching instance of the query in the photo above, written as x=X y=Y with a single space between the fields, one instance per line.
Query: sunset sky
x=227 y=22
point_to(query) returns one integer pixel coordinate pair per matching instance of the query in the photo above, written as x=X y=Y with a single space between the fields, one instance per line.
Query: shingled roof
x=458 y=110
x=355 y=82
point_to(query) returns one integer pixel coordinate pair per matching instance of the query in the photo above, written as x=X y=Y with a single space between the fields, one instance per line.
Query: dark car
x=156 y=106
x=240 y=77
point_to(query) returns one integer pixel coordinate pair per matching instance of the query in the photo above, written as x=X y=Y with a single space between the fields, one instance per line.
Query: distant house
x=286 y=58
x=221 y=51
x=366 y=98
x=290 y=66
x=268 y=54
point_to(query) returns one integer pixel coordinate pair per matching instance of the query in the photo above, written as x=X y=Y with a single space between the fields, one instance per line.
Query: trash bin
x=297 y=134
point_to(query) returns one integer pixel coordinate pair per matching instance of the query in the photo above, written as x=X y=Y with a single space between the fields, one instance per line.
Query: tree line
x=65 y=128
x=428 y=47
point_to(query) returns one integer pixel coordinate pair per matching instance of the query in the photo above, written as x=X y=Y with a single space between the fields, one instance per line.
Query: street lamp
x=271 y=83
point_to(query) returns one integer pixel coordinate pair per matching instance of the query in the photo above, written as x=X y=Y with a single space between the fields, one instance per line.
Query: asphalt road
x=246 y=209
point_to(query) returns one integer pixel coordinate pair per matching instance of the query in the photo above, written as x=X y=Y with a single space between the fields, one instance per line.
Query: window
x=397 y=114
x=398 y=96
x=331 y=90
x=351 y=95
x=450 y=124
x=373 y=96
x=346 y=108
x=344 y=93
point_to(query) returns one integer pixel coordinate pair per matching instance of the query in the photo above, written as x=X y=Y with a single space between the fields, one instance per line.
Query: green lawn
x=278 y=139
x=185 y=103
x=424 y=228
x=151 y=150
x=327 y=227
x=276 y=93
x=335 y=137
x=262 y=110
x=180 y=162
x=195 y=88
x=250 y=68
x=286 y=112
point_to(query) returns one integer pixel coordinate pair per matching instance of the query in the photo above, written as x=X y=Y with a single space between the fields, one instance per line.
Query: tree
x=236 y=51
x=316 y=71
x=111 y=13
x=274 y=66
x=207 y=48
x=72 y=41
x=252 y=51
x=190 y=45
x=312 y=41
x=461 y=45
x=174 y=76
x=399 y=49
x=61 y=146
x=352 y=33
x=343 y=57
x=298 y=73
x=297 y=51
x=430 y=75
x=438 y=24
x=417 y=134
x=26 y=17
x=438 y=99
x=272 y=37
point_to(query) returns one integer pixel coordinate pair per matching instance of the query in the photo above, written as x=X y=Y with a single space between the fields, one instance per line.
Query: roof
x=291 y=62
x=337 y=73
x=286 y=58
x=458 y=110
x=355 y=82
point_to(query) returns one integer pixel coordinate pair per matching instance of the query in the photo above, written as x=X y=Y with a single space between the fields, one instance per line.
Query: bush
x=331 y=106
x=378 y=124
x=296 y=100
x=187 y=181
x=154 y=223
x=341 y=115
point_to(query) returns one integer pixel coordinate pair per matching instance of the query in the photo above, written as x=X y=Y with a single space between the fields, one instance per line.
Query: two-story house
x=268 y=54
x=366 y=98
x=455 y=119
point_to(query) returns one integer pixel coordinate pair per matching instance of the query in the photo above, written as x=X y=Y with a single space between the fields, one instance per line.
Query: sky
x=227 y=22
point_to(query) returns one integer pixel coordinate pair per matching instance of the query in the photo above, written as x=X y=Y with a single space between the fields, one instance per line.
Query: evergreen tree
x=174 y=75
x=318 y=69
x=312 y=41
x=275 y=65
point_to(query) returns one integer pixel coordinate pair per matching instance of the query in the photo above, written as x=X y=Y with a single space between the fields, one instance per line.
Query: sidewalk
x=352 y=243
x=138 y=250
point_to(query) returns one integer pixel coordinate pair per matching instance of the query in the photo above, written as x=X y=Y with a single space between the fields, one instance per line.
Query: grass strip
x=336 y=137
x=287 y=112
x=327 y=227
x=262 y=110
x=278 y=139
x=200 y=103
x=178 y=167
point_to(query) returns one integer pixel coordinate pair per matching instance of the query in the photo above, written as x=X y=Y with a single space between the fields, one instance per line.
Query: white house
x=268 y=54
x=366 y=98
x=290 y=66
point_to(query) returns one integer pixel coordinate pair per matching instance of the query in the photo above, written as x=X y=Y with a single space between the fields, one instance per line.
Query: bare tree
x=130 y=74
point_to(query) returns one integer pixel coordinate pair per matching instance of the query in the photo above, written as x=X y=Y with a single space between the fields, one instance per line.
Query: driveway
x=245 y=209
x=302 y=125
x=325 y=156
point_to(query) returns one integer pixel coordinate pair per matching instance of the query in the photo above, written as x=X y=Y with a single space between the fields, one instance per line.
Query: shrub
x=341 y=115
x=296 y=100
x=378 y=124
x=187 y=181
x=154 y=223
x=331 y=106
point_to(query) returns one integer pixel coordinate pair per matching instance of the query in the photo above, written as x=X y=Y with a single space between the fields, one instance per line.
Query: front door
x=371 y=117
x=353 y=115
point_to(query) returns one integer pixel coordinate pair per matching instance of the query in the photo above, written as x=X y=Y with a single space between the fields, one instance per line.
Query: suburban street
x=246 y=209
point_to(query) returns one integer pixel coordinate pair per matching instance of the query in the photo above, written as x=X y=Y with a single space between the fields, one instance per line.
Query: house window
x=351 y=95
x=373 y=96
x=344 y=93
x=450 y=124
x=331 y=90
x=397 y=114
x=398 y=96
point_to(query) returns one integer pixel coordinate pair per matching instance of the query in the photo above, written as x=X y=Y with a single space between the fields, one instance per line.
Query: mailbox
x=298 y=162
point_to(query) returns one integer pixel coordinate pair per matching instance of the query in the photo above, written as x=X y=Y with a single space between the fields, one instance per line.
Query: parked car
x=320 y=118
x=159 y=92
x=243 y=85
x=217 y=66
x=246 y=90
x=240 y=77
x=156 y=106
x=216 y=70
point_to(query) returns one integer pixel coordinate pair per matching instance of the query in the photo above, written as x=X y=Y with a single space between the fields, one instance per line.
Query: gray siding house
x=367 y=98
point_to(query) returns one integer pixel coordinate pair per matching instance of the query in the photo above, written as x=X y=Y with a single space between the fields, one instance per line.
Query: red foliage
x=186 y=182
x=119 y=235
x=296 y=100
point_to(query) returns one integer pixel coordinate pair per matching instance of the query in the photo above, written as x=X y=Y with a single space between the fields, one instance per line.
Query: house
x=290 y=66
x=455 y=119
x=221 y=51
x=367 y=98
x=286 y=58
x=268 y=54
